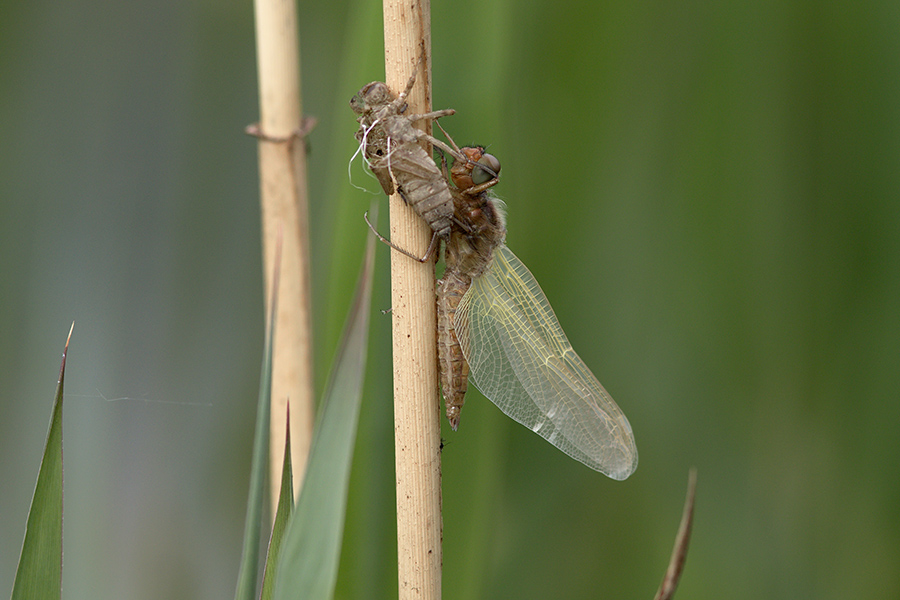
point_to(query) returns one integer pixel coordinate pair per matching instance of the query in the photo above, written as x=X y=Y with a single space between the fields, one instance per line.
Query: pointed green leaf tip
x=282 y=514
x=39 y=574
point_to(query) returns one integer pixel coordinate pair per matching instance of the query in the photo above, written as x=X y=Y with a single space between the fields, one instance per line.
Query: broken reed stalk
x=407 y=26
x=284 y=204
x=682 y=540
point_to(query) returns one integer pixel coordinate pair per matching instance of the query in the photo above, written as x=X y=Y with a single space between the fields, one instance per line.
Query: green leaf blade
x=282 y=515
x=39 y=574
x=310 y=555
x=248 y=575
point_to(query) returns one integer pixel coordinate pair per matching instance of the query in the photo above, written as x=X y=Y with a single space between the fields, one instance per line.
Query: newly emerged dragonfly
x=479 y=228
x=514 y=349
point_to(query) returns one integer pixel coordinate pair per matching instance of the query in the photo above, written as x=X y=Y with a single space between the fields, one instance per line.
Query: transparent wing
x=522 y=361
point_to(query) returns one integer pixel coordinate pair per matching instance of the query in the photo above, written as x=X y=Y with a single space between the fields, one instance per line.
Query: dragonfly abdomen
x=452 y=364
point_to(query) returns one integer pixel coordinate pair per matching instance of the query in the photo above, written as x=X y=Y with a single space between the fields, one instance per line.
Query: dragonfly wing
x=522 y=361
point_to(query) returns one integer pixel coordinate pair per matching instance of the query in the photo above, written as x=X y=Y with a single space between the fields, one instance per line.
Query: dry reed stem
x=407 y=26
x=682 y=540
x=283 y=198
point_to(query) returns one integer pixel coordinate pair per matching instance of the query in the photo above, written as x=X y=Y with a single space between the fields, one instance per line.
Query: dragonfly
x=497 y=329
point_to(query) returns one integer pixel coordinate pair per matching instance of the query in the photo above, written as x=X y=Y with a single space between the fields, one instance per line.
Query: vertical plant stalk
x=284 y=203
x=407 y=27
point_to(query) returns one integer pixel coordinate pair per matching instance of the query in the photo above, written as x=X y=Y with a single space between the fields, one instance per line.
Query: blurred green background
x=708 y=192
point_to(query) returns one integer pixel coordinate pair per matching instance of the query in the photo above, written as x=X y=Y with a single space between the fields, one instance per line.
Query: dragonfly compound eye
x=480 y=176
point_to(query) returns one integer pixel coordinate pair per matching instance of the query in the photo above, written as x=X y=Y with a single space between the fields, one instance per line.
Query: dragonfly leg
x=472 y=191
x=412 y=78
x=441 y=146
x=428 y=253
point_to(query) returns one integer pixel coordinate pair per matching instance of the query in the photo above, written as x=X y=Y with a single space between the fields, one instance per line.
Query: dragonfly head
x=479 y=168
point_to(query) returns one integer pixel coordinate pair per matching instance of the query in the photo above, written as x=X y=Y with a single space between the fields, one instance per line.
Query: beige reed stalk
x=284 y=202
x=407 y=26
